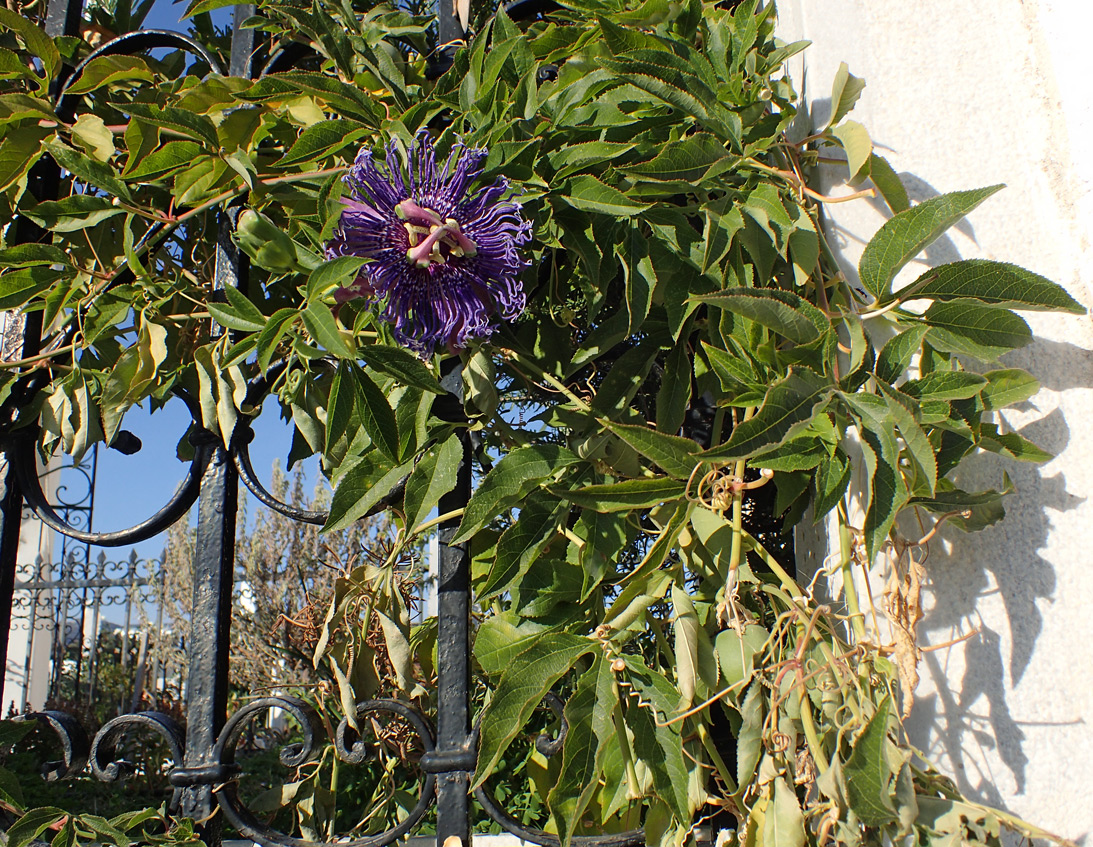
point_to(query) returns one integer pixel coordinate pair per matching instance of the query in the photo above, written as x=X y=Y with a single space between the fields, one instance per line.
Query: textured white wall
x=961 y=95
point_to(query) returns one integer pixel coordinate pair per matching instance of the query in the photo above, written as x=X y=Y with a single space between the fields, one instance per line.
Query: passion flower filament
x=445 y=261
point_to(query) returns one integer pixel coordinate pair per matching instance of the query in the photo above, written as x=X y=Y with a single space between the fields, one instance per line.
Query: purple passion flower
x=443 y=260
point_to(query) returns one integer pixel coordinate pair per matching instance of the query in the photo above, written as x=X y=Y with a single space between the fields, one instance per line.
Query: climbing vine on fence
x=687 y=343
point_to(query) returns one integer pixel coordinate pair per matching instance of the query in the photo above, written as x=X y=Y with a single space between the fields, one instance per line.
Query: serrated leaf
x=34 y=822
x=521 y=543
x=626 y=495
x=674 y=455
x=88 y=170
x=896 y=355
x=321 y=140
x=363 y=486
x=888 y=184
x=945 y=385
x=831 y=481
x=403 y=366
x=984 y=332
x=687 y=160
x=869 y=774
x=1007 y=387
x=172 y=156
x=433 y=476
x=182 y=121
x=510 y=480
x=520 y=690
x=375 y=414
x=587 y=193
x=784 y=823
x=856 y=142
x=37 y=43
x=908 y=233
x=887 y=490
x=784 y=312
x=20 y=286
x=736 y=653
x=845 y=91
x=332 y=274
x=789 y=405
x=105 y=70
x=993 y=283
x=322 y=326
x=1012 y=444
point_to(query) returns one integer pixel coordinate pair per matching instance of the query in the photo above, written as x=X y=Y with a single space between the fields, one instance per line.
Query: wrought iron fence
x=203 y=766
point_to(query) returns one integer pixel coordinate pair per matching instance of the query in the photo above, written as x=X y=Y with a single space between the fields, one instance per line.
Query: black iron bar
x=453 y=645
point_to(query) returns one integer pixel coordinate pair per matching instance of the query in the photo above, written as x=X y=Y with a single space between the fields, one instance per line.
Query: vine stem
x=513 y=357
x=439 y=519
x=31 y=360
x=850 y=589
x=735 y=553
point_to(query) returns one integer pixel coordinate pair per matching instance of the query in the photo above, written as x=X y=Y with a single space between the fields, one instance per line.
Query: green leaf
x=433 y=476
x=376 y=416
x=30 y=255
x=501 y=638
x=521 y=689
x=522 y=543
x=855 y=141
x=908 y=233
x=869 y=774
x=888 y=184
x=945 y=385
x=674 y=394
x=797 y=454
x=687 y=160
x=510 y=480
x=88 y=170
x=784 y=312
x=789 y=406
x=403 y=366
x=36 y=821
x=18 y=153
x=322 y=139
x=172 y=156
x=626 y=495
x=588 y=715
x=335 y=273
x=672 y=454
x=322 y=326
x=20 y=286
x=880 y=450
x=736 y=654
x=181 y=121
x=577 y=157
x=37 y=43
x=106 y=70
x=845 y=91
x=919 y=448
x=784 y=823
x=994 y=283
x=896 y=355
x=1007 y=387
x=749 y=740
x=1011 y=444
x=831 y=481
x=980 y=331
x=362 y=487
x=587 y=193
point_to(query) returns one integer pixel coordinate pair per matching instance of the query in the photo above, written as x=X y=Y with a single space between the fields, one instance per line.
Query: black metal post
x=207 y=674
x=453 y=644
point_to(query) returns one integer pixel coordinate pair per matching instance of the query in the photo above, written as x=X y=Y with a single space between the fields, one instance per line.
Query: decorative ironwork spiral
x=104 y=762
x=75 y=746
x=550 y=746
x=347 y=746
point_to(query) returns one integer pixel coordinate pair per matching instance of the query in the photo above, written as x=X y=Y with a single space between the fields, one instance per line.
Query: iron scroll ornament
x=349 y=746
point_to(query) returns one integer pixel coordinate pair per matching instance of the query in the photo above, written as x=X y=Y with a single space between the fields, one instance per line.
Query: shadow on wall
x=967 y=718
